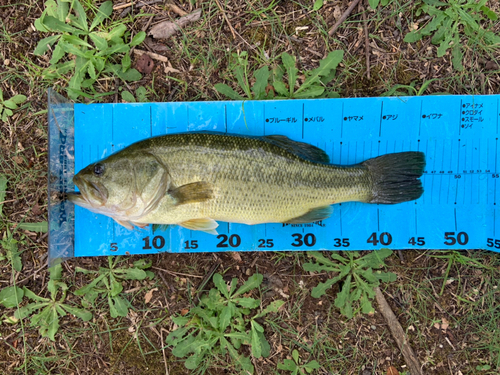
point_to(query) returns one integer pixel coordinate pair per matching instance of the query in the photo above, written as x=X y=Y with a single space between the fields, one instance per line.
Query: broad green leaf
x=141 y=94
x=79 y=313
x=413 y=36
x=43 y=45
x=84 y=290
x=239 y=72
x=318 y=4
x=376 y=258
x=194 y=361
x=343 y=301
x=126 y=62
x=253 y=282
x=130 y=75
x=143 y=263
x=26 y=311
x=29 y=294
x=70 y=48
x=313 y=365
x=75 y=40
x=271 y=308
x=59 y=10
x=116 y=32
x=52 y=325
x=311 y=92
x=138 y=38
x=227 y=91
x=373 y=3
x=56 y=25
x=445 y=44
x=10 y=104
x=249 y=303
x=184 y=347
x=261 y=79
x=128 y=97
x=206 y=315
x=57 y=54
x=366 y=306
x=100 y=43
x=280 y=88
x=265 y=347
x=295 y=355
x=117 y=306
x=220 y=284
x=255 y=339
x=321 y=288
x=457 y=56
x=56 y=272
x=287 y=365
x=436 y=3
x=103 y=12
x=489 y=13
x=91 y=70
x=11 y=296
x=291 y=70
x=225 y=316
x=242 y=336
x=131 y=273
x=82 y=17
x=468 y=19
x=41 y=227
x=180 y=320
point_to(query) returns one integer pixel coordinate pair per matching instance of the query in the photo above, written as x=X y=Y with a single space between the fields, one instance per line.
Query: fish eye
x=98 y=169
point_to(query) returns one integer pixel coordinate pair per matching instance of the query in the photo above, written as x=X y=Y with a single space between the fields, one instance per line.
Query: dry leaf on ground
x=168 y=28
x=149 y=295
x=392 y=371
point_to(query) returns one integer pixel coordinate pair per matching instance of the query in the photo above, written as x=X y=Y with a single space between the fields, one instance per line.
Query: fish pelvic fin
x=192 y=193
x=315 y=214
x=205 y=225
x=126 y=224
x=396 y=176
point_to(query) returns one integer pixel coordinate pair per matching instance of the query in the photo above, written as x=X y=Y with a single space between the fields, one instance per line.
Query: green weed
x=141 y=95
x=269 y=84
x=50 y=309
x=94 y=51
x=108 y=282
x=357 y=276
x=410 y=90
x=12 y=253
x=220 y=324
x=448 y=21
x=6 y=108
x=295 y=367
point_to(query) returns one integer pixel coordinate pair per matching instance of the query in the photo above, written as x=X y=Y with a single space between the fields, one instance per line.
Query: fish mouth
x=91 y=193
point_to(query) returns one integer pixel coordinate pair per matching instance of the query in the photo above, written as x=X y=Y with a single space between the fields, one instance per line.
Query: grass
x=432 y=288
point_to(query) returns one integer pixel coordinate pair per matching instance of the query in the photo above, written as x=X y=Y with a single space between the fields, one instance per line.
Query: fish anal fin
x=140 y=225
x=205 y=225
x=315 y=214
x=304 y=150
x=192 y=193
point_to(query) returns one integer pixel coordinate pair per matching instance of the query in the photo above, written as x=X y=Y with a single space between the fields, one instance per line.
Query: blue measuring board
x=458 y=134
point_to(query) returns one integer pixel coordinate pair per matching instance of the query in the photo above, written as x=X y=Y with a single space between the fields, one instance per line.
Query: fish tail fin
x=396 y=177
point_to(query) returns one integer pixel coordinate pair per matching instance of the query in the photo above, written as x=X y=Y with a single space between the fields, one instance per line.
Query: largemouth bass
x=196 y=179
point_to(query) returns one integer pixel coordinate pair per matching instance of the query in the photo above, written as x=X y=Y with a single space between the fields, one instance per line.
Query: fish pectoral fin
x=304 y=150
x=126 y=224
x=205 y=225
x=140 y=225
x=315 y=214
x=160 y=227
x=192 y=193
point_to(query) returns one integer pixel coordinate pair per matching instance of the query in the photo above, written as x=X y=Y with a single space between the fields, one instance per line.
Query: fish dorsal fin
x=301 y=149
x=205 y=225
x=315 y=214
x=192 y=193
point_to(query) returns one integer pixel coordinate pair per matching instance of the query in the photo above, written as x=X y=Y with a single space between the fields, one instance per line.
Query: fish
x=197 y=179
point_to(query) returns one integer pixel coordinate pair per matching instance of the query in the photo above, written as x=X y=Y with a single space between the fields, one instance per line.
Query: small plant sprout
x=221 y=323
x=50 y=309
x=357 y=275
x=108 y=283
x=7 y=106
